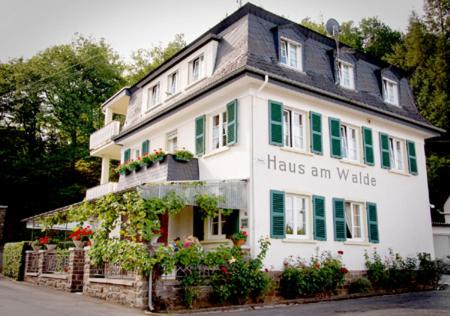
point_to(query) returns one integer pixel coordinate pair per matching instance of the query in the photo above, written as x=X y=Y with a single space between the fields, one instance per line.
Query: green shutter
x=232 y=125
x=412 y=158
x=275 y=123
x=372 y=222
x=320 y=228
x=276 y=214
x=200 y=135
x=368 y=146
x=145 y=147
x=126 y=155
x=385 y=154
x=316 y=132
x=335 y=137
x=339 y=219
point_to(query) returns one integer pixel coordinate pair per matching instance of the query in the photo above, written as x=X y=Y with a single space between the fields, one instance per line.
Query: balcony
x=101 y=144
x=101 y=190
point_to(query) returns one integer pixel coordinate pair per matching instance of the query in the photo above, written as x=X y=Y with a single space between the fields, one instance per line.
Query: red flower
x=223 y=269
x=267 y=270
x=317 y=265
x=340 y=252
x=344 y=270
x=244 y=233
x=44 y=240
x=187 y=245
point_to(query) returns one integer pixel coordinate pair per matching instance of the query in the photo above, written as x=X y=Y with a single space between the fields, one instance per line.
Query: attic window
x=390 y=91
x=196 y=69
x=346 y=75
x=291 y=54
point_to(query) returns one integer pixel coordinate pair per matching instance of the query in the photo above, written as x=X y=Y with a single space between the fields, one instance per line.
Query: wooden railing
x=104 y=135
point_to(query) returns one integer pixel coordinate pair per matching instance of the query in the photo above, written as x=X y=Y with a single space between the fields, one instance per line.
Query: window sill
x=357 y=243
x=193 y=84
x=153 y=107
x=299 y=241
x=216 y=151
x=297 y=151
x=171 y=96
x=402 y=173
x=300 y=70
x=353 y=163
x=215 y=241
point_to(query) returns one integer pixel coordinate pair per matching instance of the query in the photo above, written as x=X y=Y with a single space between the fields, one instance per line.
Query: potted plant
x=239 y=238
x=183 y=155
x=36 y=245
x=49 y=242
x=147 y=160
x=134 y=165
x=122 y=169
x=80 y=236
x=159 y=155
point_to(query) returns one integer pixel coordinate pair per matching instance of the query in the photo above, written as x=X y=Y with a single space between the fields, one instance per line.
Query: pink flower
x=187 y=245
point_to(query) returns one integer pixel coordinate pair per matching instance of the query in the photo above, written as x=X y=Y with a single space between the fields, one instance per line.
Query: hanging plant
x=209 y=205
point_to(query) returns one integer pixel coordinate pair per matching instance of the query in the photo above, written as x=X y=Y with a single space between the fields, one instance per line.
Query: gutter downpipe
x=150 y=291
x=252 y=162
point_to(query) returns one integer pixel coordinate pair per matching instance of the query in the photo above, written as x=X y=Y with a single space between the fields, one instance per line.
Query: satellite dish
x=333 y=27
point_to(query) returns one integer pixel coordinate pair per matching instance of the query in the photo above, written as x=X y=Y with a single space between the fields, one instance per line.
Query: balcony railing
x=104 y=135
x=101 y=190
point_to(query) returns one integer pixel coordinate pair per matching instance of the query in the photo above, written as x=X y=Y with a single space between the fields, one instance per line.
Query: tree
x=145 y=61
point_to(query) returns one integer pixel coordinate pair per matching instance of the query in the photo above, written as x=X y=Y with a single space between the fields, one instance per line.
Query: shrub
x=429 y=271
x=376 y=270
x=14 y=260
x=183 y=155
x=320 y=276
x=360 y=285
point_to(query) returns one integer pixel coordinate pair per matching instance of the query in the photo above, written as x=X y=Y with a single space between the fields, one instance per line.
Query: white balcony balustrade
x=101 y=190
x=104 y=135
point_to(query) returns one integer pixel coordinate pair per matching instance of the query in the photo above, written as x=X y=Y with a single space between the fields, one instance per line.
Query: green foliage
x=209 y=205
x=145 y=61
x=14 y=260
x=183 y=155
x=322 y=275
x=360 y=285
x=430 y=271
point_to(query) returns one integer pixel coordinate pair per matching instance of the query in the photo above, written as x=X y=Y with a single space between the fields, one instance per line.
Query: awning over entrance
x=234 y=192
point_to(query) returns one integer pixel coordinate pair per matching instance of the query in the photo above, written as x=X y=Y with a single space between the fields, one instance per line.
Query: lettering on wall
x=341 y=173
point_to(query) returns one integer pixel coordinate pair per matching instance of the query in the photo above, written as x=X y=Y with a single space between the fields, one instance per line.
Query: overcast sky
x=29 y=26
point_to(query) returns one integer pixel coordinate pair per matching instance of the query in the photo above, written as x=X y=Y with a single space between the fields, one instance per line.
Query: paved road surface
x=23 y=299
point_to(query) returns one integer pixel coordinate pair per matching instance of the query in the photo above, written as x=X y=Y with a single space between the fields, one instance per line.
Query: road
x=23 y=299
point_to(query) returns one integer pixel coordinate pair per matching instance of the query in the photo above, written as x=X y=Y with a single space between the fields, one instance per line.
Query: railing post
x=76 y=270
x=42 y=256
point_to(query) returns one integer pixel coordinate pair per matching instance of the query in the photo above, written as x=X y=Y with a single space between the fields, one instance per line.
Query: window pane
x=283 y=52
x=301 y=216
x=297 y=130
x=293 y=56
x=215 y=132
x=215 y=226
x=289 y=215
x=352 y=144
x=224 y=128
x=344 y=141
x=287 y=128
x=356 y=221
x=348 y=220
x=399 y=156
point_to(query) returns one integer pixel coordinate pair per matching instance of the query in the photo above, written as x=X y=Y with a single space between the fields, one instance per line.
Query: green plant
x=209 y=205
x=14 y=260
x=240 y=235
x=159 y=155
x=429 y=271
x=148 y=160
x=360 y=285
x=183 y=155
x=376 y=269
x=134 y=165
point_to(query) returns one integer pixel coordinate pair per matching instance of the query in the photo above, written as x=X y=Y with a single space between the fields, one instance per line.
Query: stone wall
x=70 y=281
x=130 y=292
x=2 y=228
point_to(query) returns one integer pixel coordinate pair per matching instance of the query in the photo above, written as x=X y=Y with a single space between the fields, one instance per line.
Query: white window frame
x=286 y=61
x=351 y=74
x=397 y=153
x=221 y=223
x=350 y=218
x=346 y=142
x=170 y=136
x=171 y=90
x=222 y=130
x=390 y=97
x=201 y=71
x=151 y=101
x=289 y=131
x=296 y=198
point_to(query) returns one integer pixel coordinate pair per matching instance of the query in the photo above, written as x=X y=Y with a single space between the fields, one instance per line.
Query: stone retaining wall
x=130 y=292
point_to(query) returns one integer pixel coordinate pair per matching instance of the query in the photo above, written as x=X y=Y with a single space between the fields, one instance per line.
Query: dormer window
x=153 y=96
x=172 y=84
x=390 y=91
x=196 y=69
x=291 y=54
x=346 y=75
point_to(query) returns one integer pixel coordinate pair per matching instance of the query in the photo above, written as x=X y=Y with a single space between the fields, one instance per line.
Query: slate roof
x=248 y=44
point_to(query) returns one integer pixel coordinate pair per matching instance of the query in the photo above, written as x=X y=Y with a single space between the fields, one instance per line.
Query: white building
x=330 y=149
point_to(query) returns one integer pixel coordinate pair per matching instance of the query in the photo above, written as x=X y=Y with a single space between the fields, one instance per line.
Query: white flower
x=232 y=260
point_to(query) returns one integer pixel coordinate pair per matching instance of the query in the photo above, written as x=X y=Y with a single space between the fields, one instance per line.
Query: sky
x=30 y=26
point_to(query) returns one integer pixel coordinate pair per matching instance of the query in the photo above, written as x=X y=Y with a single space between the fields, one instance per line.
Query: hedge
x=14 y=260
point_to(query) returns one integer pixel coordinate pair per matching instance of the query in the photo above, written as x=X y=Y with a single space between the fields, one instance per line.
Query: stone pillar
x=42 y=255
x=108 y=116
x=105 y=171
x=76 y=270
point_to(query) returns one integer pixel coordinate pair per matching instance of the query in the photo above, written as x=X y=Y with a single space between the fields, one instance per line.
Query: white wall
x=402 y=199
x=441 y=239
